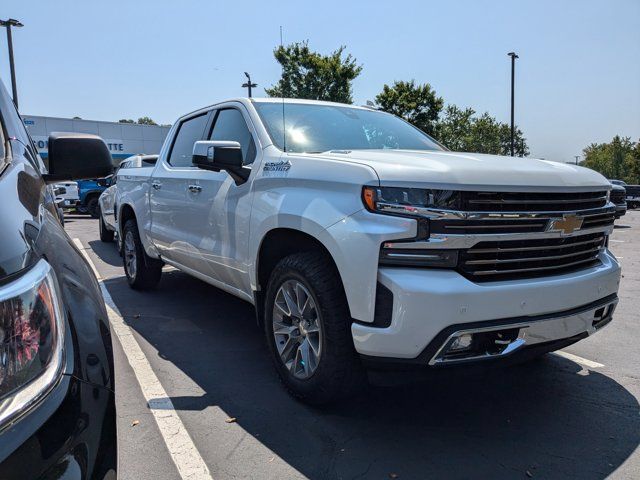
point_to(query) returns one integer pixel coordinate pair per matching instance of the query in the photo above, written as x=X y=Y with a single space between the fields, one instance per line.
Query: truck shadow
x=550 y=417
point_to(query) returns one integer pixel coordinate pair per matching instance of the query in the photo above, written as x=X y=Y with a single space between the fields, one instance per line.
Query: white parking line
x=183 y=452
x=575 y=358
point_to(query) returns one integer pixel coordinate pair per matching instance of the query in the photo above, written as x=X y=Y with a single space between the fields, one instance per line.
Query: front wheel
x=307 y=325
x=142 y=271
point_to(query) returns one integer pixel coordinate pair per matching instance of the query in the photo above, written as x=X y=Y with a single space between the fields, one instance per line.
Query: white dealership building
x=123 y=139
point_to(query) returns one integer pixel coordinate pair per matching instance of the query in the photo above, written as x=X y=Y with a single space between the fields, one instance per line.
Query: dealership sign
x=115 y=146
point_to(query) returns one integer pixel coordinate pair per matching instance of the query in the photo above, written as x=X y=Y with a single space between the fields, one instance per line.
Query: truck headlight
x=408 y=201
x=31 y=339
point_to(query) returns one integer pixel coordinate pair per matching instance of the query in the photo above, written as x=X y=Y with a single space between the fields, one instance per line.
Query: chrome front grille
x=508 y=259
x=509 y=235
x=532 y=201
x=515 y=224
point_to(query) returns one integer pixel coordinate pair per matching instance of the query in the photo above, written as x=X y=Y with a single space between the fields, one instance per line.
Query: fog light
x=462 y=342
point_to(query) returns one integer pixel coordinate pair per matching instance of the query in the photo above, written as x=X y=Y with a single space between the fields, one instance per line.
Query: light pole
x=248 y=85
x=577 y=157
x=8 y=24
x=513 y=69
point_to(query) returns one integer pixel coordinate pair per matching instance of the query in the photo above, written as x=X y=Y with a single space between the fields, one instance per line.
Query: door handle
x=195 y=188
x=156 y=185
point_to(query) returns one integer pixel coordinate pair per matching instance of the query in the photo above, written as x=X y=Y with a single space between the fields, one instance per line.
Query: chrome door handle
x=156 y=185
x=195 y=188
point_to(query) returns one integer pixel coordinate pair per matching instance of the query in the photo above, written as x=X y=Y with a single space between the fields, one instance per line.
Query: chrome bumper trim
x=442 y=240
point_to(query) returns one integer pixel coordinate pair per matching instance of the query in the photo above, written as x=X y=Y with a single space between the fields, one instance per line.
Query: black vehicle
x=618 y=197
x=633 y=195
x=57 y=406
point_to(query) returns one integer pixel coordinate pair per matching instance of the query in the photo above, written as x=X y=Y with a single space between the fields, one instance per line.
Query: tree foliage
x=462 y=130
x=146 y=121
x=618 y=159
x=311 y=75
x=458 y=129
x=126 y=120
x=417 y=104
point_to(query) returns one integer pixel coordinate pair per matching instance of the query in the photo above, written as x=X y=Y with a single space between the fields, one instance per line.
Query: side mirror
x=106 y=181
x=217 y=156
x=76 y=156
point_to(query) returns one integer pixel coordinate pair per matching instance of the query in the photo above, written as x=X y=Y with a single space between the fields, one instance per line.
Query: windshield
x=319 y=128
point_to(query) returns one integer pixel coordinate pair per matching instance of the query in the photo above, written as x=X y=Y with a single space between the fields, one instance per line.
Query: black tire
x=146 y=271
x=339 y=372
x=106 y=235
x=93 y=207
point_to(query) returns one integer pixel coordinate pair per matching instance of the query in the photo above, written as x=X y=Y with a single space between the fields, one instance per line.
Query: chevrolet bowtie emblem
x=565 y=225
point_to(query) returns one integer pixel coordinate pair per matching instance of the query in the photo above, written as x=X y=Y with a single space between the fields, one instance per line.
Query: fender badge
x=281 y=166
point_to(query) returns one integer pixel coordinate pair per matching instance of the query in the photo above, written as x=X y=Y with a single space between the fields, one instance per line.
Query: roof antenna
x=284 y=125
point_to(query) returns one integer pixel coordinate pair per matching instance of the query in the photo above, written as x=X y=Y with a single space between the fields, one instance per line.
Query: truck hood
x=472 y=171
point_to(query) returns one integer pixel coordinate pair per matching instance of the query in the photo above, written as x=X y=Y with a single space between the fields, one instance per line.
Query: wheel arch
x=275 y=245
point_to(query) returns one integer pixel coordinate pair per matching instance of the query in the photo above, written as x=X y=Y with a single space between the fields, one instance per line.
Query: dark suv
x=57 y=408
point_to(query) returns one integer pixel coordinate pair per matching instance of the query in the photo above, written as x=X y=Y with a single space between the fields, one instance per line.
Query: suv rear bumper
x=428 y=302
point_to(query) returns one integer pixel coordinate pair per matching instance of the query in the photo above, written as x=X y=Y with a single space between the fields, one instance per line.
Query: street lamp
x=513 y=68
x=8 y=24
x=248 y=85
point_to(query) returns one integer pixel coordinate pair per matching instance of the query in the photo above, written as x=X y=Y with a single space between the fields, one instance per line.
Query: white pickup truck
x=363 y=243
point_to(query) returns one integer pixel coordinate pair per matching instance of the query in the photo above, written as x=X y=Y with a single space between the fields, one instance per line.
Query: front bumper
x=427 y=302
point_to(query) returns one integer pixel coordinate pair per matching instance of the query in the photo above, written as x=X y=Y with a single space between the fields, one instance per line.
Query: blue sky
x=577 y=79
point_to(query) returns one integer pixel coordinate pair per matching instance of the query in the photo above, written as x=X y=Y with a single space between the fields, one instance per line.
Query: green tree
x=458 y=129
x=311 y=75
x=463 y=131
x=146 y=121
x=126 y=120
x=618 y=159
x=417 y=104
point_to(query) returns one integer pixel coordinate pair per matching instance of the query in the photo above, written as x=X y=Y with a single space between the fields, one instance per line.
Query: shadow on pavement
x=549 y=417
x=107 y=252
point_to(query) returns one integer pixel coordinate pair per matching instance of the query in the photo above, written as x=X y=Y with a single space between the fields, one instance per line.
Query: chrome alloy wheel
x=297 y=329
x=130 y=254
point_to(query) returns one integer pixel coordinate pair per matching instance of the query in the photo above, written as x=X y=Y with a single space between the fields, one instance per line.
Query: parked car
x=633 y=196
x=57 y=409
x=89 y=192
x=68 y=199
x=364 y=243
x=107 y=224
x=59 y=200
x=618 y=197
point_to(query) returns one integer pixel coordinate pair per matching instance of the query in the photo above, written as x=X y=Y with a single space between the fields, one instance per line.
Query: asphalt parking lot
x=570 y=416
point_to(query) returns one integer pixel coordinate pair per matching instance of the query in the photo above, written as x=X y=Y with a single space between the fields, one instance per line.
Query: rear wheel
x=307 y=325
x=93 y=208
x=106 y=235
x=142 y=271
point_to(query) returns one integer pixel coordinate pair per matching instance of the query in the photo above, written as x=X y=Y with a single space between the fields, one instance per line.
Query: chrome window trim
x=24 y=398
